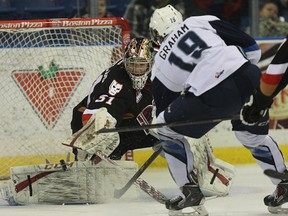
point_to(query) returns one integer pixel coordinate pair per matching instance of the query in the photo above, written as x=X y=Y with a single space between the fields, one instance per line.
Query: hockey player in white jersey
x=205 y=68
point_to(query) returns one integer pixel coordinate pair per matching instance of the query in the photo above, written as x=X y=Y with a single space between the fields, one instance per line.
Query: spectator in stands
x=101 y=12
x=228 y=10
x=138 y=14
x=102 y=9
x=270 y=24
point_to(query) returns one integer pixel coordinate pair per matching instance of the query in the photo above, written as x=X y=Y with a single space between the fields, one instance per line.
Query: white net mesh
x=44 y=73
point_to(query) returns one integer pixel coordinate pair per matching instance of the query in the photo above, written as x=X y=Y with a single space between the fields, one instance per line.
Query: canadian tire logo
x=48 y=94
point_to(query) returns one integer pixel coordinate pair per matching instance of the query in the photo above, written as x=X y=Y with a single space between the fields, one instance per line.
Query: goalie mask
x=163 y=22
x=138 y=60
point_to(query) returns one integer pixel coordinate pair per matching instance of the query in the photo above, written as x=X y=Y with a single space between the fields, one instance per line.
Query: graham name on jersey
x=173 y=38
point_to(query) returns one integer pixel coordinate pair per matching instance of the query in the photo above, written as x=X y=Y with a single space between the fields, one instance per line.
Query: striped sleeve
x=278 y=66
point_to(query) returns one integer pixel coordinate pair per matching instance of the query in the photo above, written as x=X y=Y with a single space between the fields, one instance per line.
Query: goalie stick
x=142 y=184
x=162 y=125
x=119 y=192
x=275 y=174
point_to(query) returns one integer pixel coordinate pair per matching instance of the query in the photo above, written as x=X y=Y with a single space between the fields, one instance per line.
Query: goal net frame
x=32 y=56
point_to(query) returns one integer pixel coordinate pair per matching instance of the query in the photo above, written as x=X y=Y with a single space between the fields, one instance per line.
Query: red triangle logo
x=48 y=97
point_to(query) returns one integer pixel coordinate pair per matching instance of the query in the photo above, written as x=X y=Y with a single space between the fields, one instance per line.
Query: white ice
x=245 y=199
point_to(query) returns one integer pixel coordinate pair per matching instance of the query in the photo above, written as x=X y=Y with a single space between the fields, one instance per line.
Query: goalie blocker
x=84 y=182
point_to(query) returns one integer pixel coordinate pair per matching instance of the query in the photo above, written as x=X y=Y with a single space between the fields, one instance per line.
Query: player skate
x=275 y=200
x=193 y=197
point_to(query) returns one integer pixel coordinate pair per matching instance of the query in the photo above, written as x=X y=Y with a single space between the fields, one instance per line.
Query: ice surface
x=245 y=199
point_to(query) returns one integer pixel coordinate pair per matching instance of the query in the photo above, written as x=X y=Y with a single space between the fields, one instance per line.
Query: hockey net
x=46 y=68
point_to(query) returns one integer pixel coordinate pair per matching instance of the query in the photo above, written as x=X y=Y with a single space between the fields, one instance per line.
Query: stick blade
x=117 y=194
x=275 y=174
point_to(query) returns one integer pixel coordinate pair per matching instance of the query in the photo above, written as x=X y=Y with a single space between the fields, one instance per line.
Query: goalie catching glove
x=89 y=141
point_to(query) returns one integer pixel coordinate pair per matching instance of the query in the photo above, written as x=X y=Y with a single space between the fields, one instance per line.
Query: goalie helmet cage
x=47 y=67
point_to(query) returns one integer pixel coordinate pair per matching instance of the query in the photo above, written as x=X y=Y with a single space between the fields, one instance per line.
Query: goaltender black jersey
x=113 y=90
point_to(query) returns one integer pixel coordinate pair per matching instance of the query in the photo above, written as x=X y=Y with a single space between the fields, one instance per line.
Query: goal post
x=46 y=68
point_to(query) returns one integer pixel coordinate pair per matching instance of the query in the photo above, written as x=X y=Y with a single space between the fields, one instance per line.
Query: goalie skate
x=8 y=196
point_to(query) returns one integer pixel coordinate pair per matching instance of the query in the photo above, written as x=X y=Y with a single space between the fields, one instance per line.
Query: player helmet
x=138 y=60
x=163 y=21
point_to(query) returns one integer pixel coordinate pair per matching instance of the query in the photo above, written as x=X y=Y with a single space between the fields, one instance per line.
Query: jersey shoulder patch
x=117 y=79
x=114 y=88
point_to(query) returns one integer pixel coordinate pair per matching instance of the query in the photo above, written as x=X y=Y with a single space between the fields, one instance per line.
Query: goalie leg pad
x=7 y=194
x=215 y=176
x=81 y=183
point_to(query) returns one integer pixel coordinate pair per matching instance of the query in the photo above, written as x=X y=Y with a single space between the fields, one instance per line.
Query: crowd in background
x=273 y=14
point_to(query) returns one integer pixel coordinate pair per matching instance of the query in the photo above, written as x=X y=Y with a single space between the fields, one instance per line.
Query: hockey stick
x=142 y=184
x=119 y=192
x=161 y=125
x=151 y=191
x=275 y=174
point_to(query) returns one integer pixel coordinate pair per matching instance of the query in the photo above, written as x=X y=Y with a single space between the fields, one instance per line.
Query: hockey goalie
x=91 y=181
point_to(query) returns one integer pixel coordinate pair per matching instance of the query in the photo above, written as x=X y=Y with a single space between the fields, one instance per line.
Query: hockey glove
x=91 y=142
x=80 y=155
x=255 y=108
